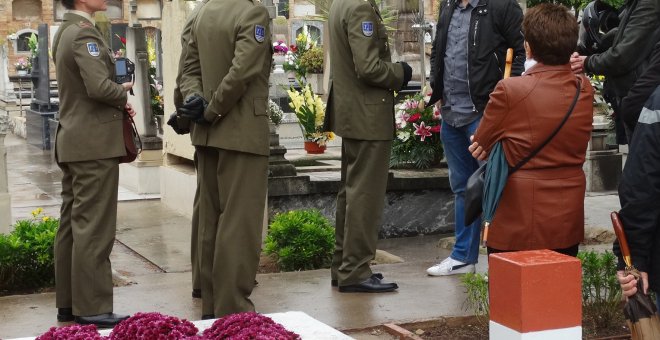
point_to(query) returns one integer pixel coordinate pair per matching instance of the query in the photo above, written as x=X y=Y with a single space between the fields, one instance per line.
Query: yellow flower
x=45 y=218
x=37 y=212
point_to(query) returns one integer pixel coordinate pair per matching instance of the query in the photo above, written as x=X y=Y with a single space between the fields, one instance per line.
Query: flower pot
x=279 y=59
x=314 y=148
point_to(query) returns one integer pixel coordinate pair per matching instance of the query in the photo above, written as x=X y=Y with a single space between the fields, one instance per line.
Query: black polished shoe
x=370 y=285
x=65 y=315
x=106 y=320
x=197 y=293
x=208 y=316
x=335 y=283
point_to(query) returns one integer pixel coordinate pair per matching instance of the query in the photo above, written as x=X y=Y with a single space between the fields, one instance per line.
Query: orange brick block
x=535 y=290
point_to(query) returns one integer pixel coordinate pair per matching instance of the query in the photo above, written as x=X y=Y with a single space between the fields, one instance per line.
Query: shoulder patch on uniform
x=84 y=24
x=367 y=28
x=93 y=49
x=259 y=33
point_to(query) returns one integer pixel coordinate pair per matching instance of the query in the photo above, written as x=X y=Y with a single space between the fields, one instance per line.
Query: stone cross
x=5 y=86
x=5 y=198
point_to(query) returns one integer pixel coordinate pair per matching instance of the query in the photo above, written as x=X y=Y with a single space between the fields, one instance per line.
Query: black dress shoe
x=197 y=293
x=208 y=316
x=370 y=285
x=335 y=283
x=65 y=315
x=106 y=320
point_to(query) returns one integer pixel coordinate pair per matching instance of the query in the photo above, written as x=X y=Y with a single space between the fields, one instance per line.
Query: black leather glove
x=407 y=72
x=193 y=109
x=179 y=124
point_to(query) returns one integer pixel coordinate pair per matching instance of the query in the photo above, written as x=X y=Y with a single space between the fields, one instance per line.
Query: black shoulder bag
x=474 y=188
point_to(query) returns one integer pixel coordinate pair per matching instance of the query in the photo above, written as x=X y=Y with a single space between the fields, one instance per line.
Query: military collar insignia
x=367 y=28
x=93 y=49
x=259 y=33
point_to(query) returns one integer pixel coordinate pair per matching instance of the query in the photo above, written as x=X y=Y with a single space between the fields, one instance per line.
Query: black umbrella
x=640 y=311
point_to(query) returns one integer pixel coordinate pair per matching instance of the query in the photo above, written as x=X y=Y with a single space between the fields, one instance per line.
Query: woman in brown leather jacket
x=542 y=206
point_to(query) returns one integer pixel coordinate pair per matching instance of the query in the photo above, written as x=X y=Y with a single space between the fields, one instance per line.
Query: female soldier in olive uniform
x=88 y=144
x=361 y=111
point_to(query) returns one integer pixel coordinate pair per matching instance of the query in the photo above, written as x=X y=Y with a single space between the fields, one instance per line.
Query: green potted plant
x=310 y=111
x=22 y=66
x=33 y=44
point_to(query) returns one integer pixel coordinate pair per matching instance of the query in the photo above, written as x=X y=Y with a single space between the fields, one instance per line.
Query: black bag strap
x=554 y=133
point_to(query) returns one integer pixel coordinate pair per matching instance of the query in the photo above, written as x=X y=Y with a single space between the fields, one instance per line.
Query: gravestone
x=5 y=198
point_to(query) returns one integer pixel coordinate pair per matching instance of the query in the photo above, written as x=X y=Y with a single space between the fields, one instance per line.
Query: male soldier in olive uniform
x=88 y=144
x=182 y=126
x=361 y=111
x=225 y=83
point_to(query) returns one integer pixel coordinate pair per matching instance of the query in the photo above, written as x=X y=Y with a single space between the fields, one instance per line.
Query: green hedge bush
x=301 y=239
x=26 y=254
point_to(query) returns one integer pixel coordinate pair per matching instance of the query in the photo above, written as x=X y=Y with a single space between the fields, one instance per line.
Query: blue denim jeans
x=455 y=141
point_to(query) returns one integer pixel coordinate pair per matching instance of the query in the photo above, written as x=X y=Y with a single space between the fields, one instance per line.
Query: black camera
x=124 y=70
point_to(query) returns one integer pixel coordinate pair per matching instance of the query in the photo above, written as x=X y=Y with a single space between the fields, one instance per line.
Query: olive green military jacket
x=228 y=61
x=363 y=78
x=91 y=103
x=185 y=37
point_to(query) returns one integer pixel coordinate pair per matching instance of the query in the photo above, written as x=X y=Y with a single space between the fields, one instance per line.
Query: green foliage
x=388 y=13
x=33 y=44
x=26 y=254
x=601 y=292
x=301 y=239
x=312 y=60
x=577 y=5
x=419 y=155
x=476 y=289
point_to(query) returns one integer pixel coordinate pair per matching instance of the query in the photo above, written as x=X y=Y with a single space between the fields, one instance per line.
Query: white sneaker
x=450 y=266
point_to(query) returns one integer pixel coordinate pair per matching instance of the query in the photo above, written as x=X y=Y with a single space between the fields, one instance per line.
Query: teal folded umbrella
x=497 y=172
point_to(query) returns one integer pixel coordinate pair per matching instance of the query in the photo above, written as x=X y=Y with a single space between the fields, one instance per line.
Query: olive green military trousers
x=232 y=198
x=84 y=240
x=194 y=233
x=360 y=202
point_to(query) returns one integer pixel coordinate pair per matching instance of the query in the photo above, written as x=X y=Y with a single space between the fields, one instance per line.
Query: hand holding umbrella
x=640 y=311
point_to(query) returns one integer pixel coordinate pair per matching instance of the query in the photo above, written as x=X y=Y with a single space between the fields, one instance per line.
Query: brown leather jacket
x=542 y=206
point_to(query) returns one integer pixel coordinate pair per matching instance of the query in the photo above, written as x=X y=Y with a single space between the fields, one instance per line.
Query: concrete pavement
x=151 y=256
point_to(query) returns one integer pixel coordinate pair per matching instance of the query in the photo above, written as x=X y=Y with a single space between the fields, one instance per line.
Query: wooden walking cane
x=507 y=74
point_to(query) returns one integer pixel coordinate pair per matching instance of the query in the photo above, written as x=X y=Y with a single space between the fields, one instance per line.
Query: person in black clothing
x=639 y=194
x=467 y=60
x=625 y=61
x=631 y=105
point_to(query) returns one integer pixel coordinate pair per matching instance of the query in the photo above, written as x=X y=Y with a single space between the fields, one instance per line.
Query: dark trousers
x=194 y=239
x=232 y=198
x=360 y=202
x=84 y=240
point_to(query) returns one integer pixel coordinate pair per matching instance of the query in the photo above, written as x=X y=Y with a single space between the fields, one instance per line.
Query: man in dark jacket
x=631 y=105
x=467 y=60
x=628 y=57
x=639 y=193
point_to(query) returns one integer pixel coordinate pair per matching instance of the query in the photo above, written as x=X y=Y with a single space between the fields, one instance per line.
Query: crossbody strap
x=554 y=133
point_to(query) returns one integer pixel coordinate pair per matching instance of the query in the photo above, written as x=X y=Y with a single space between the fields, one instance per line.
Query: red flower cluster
x=73 y=332
x=249 y=325
x=154 y=326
